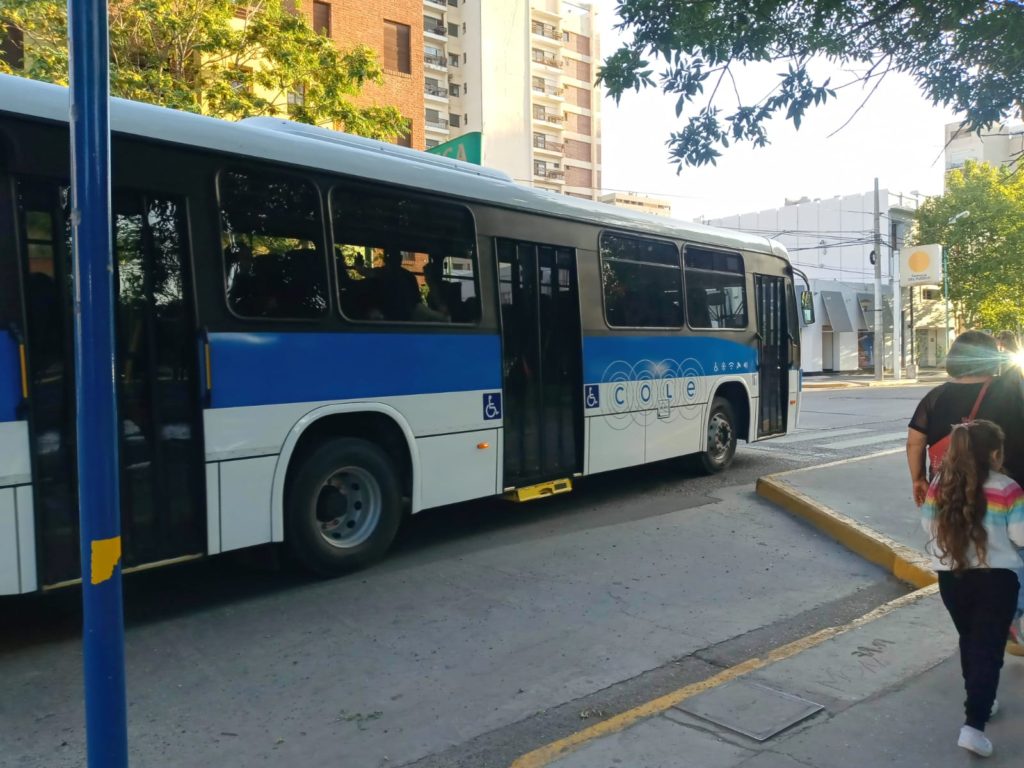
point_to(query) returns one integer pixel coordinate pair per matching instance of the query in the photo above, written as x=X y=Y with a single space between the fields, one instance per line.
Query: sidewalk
x=924 y=377
x=884 y=690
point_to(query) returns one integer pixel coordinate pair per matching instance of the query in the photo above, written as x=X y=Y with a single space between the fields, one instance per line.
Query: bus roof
x=297 y=144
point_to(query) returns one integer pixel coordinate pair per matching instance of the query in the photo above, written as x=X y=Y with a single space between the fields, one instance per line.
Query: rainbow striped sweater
x=1004 y=521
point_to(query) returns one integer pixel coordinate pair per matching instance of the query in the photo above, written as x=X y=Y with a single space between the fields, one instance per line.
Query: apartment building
x=520 y=73
x=656 y=206
x=997 y=145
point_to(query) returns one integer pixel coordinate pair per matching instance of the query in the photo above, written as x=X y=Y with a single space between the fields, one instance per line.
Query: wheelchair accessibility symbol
x=492 y=406
x=592 y=396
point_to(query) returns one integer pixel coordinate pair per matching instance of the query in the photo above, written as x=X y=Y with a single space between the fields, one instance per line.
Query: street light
x=945 y=271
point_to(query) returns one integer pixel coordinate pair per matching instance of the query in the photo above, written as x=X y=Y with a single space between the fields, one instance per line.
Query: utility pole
x=897 y=299
x=878 y=342
x=106 y=732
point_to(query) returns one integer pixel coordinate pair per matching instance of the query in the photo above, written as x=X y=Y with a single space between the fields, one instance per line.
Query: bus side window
x=271 y=233
x=716 y=289
x=401 y=258
x=642 y=282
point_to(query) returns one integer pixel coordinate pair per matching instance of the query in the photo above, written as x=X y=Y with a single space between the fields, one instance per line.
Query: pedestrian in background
x=975 y=391
x=974 y=515
x=1009 y=347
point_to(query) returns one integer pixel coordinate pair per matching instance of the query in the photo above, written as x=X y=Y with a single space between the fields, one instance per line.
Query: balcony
x=435 y=61
x=439 y=124
x=547 y=145
x=546 y=60
x=435 y=29
x=549 y=117
x=550 y=31
x=435 y=2
x=434 y=90
x=548 y=89
x=552 y=174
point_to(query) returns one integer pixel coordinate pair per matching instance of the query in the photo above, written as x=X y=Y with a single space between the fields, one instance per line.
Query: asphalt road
x=490 y=630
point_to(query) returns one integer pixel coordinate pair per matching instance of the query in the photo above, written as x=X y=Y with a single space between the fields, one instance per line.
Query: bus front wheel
x=344 y=507
x=721 y=437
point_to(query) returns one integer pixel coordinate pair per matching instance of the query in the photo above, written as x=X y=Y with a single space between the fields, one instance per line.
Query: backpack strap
x=977 y=403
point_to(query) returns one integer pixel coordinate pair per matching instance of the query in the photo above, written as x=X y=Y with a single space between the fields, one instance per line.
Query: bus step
x=540 y=490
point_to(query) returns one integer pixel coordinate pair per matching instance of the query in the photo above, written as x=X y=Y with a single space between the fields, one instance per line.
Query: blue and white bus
x=318 y=334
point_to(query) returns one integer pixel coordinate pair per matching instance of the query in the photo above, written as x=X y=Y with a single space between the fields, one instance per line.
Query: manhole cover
x=754 y=710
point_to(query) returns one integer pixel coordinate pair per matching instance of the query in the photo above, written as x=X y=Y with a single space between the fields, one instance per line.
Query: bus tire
x=344 y=507
x=721 y=437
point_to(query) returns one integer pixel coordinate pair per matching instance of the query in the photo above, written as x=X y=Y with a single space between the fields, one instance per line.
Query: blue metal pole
x=95 y=387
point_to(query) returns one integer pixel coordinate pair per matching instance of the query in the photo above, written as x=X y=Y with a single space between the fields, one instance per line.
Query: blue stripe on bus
x=268 y=368
x=627 y=358
x=10 y=378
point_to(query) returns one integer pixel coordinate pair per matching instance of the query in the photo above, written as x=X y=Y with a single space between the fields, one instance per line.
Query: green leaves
x=985 y=250
x=966 y=54
x=200 y=56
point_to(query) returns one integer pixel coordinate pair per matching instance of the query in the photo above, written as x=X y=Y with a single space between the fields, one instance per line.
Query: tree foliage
x=964 y=54
x=200 y=56
x=984 y=250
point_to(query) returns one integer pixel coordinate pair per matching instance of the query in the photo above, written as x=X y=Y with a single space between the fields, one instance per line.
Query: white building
x=996 y=146
x=520 y=73
x=656 y=206
x=831 y=241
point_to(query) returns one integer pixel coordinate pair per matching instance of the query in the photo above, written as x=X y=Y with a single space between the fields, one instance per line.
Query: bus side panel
x=648 y=395
x=795 y=395
x=17 y=521
x=266 y=385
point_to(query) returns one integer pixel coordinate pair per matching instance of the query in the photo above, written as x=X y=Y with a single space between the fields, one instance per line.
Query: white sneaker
x=974 y=741
x=995 y=709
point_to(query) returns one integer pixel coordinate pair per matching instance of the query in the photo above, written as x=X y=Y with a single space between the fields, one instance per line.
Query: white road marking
x=887 y=437
x=816 y=434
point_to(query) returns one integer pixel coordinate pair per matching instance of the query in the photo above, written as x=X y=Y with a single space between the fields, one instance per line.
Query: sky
x=897 y=137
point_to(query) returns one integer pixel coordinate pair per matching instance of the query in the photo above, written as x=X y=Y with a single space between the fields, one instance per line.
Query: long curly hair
x=960 y=500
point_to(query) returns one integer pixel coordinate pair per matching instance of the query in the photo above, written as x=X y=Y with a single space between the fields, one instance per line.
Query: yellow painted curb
x=902 y=562
x=543 y=756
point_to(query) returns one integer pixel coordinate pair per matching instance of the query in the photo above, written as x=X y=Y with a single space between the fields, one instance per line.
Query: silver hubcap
x=719 y=438
x=348 y=507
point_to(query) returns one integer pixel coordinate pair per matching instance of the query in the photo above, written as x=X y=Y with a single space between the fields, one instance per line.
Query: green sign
x=465 y=148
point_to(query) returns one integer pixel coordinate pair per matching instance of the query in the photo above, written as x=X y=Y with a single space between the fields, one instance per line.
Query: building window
x=716 y=292
x=297 y=96
x=455 y=120
x=396 y=47
x=453 y=59
x=931 y=294
x=12 y=46
x=402 y=258
x=433 y=25
x=643 y=286
x=271 y=235
x=453 y=89
x=453 y=30
x=405 y=139
x=322 y=18
x=431 y=143
x=465 y=58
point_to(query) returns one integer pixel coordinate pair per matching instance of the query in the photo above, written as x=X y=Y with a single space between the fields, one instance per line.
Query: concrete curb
x=868 y=384
x=901 y=561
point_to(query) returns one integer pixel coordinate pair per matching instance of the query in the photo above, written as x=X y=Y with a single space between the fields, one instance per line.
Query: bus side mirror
x=807 y=307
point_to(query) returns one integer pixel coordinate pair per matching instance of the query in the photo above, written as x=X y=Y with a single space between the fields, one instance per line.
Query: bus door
x=161 y=461
x=541 y=357
x=773 y=336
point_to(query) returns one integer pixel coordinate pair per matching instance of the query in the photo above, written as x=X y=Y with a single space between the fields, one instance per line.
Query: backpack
x=937 y=451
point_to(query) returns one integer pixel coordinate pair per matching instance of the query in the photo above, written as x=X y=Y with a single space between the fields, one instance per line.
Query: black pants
x=981 y=602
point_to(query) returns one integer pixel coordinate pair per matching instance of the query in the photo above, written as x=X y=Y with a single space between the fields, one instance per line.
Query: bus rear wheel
x=721 y=437
x=343 y=508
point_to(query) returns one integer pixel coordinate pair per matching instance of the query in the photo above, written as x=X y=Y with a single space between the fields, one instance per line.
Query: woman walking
x=974 y=515
x=975 y=390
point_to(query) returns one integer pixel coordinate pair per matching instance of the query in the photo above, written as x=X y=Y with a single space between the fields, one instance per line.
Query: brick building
x=392 y=28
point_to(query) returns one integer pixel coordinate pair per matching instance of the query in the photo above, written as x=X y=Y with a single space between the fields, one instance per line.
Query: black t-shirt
x=951 y=403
